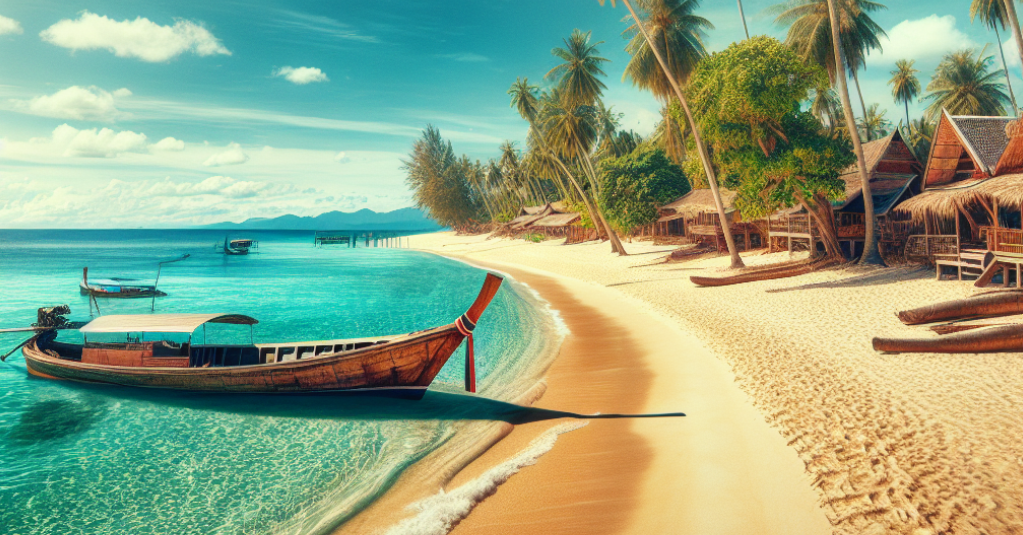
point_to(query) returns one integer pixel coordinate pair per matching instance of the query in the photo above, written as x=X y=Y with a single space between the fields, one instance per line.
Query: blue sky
x=156 y=114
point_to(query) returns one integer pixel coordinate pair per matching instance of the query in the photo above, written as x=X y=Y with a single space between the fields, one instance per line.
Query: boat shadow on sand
x=434 y=405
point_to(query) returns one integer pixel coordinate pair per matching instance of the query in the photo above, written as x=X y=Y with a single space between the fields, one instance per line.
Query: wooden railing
x=1008 y=240
x=923 y=247
x=793 y=224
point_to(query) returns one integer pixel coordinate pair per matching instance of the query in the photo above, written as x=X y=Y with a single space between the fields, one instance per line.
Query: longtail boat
x=985 y=305
x=238 y=247
x=116 y=287
x=401 y=365
x=998 y=339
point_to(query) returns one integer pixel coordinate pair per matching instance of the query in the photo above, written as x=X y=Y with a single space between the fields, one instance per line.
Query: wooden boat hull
x=1005 y=338
x=403 y=366
x=988 y=305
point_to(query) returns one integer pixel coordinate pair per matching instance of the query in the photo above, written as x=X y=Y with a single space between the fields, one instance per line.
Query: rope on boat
x=466 y=326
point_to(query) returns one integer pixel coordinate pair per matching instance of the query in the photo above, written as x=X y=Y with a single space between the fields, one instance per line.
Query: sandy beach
x=795 y=425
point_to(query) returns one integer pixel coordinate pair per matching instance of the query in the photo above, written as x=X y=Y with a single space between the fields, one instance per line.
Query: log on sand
x=987 y=305
x=774 y=271
x=1004 y=338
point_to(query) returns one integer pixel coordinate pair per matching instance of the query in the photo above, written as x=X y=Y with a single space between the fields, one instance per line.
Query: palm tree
x=577 y=93
x=577 y=76
x=964 y=85
x=743 y=17
x=871 y=255
x=1013 y=21
x=824 y=104
x=992 y=14
x=528 y=105
x=921 y=134
x=809 y=33
x=672 y=30
x=905 y=86
x=874 y=125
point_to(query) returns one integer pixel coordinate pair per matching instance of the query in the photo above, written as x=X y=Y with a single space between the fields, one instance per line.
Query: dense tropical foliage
x=636 y=184
x=771 y=152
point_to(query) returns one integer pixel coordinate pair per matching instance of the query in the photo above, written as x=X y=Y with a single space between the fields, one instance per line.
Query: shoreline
x=621 y=476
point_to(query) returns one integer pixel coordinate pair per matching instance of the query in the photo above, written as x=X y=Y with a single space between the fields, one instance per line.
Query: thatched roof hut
x=557 y=220
x=697 y=202
x=892 y=168
x=974 y=161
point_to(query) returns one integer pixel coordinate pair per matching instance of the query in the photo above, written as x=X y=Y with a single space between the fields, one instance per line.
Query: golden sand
x=911 y=444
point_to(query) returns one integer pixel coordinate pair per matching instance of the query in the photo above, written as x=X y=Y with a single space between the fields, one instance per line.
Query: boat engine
x=52 y=317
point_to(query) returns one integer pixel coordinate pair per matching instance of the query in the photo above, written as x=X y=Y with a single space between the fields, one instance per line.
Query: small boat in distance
x=399 y=365
x=116 y=287
x=123 y=287
x=239 y=247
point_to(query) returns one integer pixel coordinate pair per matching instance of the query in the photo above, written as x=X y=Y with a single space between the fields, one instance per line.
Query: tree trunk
x=870 y=253
x=700 y=147
x=1010 y=10
x=906 y=102
x=588 y=169
x=598 y=222
x=743 y=17
x=1005 y=67
x=819 y=208
x=863 y=105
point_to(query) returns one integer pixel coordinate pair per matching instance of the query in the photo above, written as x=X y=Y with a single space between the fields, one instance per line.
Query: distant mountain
x=365 y=219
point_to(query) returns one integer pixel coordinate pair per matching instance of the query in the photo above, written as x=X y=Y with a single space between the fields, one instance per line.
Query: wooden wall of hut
x=948 y=157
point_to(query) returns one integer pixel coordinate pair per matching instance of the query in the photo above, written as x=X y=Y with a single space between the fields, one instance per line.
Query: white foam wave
x=438 y=514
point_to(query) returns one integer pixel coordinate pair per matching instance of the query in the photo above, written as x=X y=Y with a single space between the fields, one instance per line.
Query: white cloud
x=140 y=38
x=301 y=75
x=9 y=26
x=925 y=40
x=232 y=156
x=79 y=103
x=214 y=185
x=169 y=143
x=94 y=143
x=341 y=158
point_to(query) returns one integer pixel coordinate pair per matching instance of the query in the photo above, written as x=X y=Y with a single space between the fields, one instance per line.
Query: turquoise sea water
x=103 y=460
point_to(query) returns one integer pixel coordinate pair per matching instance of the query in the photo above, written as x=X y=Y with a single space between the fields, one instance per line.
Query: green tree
x=578 y=75
x=440 y=182
x=673 y=75
x=747 y=100
x=905 y=85
x=964 y=84
x=992 y=14
x=921 y=135
x=636 y=184
x=874 y=125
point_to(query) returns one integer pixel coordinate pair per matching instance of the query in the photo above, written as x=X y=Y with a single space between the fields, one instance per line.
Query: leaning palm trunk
x=1010 y=10
x=594 y=184
x=598 y=219
x=870 y=252
x=868 y=129
x=700 y=147
x=1005 y=67
x=743 y=17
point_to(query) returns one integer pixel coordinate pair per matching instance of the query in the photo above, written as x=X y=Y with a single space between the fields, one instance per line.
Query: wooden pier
x=367 y=238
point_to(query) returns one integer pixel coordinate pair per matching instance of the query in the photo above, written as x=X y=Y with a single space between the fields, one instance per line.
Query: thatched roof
x=944 y=202
x=895 y=154
x=557 y=220
x=984 y=138
x=699 y=201
x=533 y=210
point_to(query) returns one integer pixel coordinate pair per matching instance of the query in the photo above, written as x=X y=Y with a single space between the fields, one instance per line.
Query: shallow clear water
x=96 y=460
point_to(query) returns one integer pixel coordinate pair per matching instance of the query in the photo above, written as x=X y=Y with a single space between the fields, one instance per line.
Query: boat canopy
x=160 y=323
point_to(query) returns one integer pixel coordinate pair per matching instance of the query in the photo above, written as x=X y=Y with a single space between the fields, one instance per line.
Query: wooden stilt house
x=969 y=214
x=693 y=218
x=893 y=171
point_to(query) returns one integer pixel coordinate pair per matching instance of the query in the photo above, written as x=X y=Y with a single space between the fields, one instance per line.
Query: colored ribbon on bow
x=466 y=326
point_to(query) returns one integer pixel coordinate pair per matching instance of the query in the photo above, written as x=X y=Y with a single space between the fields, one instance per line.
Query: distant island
x=410 y=219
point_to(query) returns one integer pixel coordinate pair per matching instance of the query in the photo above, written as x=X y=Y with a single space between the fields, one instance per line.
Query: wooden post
x=809 y=228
